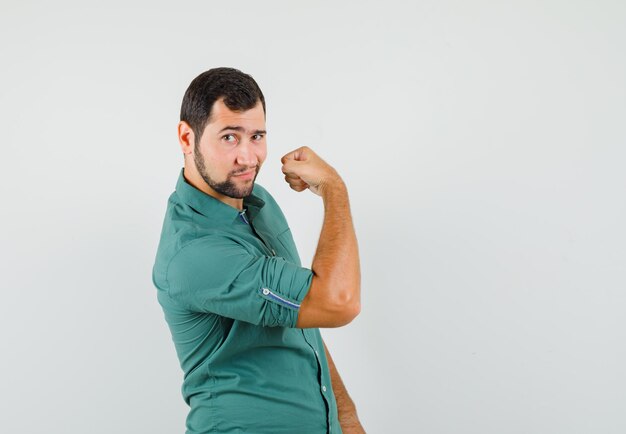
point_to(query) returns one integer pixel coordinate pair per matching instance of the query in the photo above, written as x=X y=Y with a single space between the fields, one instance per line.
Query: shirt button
x=266 y=291
x=273 y=252
x=323 y=388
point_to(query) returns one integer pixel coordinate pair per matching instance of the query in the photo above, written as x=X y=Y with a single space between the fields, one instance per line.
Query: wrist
x=330 y=184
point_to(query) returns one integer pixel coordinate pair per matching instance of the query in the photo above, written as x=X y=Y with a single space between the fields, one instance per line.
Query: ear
x=185 y=138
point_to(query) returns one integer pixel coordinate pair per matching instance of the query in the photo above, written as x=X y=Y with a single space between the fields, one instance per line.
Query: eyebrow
x=241 y=129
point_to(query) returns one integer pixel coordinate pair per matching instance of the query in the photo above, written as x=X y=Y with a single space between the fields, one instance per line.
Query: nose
x=246 y=155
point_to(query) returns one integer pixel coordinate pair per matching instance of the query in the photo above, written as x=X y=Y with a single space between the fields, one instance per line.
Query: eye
x=257 y=137
x=230 y=138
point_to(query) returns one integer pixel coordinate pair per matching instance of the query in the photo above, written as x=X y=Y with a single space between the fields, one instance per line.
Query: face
x=231 y=150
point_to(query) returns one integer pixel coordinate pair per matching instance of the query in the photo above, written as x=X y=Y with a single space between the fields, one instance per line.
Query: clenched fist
x=304 y=169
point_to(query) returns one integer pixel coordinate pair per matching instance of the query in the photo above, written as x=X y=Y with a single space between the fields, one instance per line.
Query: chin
x=245 y=192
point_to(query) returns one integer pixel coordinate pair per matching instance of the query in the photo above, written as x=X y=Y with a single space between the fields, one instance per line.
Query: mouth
x=249 y=174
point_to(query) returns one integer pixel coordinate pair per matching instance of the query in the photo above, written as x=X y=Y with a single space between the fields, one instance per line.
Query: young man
x=243 y=312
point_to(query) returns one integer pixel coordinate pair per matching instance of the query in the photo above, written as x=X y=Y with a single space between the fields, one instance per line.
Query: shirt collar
x=214 y=208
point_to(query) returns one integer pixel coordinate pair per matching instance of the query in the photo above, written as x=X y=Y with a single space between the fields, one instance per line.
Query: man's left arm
x=346 y=409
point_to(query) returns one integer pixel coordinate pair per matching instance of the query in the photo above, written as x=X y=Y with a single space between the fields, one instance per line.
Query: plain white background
x=483 y=144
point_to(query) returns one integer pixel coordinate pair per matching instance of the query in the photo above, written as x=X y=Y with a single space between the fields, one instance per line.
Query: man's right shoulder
x=181 y=230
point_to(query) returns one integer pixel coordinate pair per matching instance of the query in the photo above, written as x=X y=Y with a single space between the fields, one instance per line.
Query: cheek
x=219 y=164
x=262 y=153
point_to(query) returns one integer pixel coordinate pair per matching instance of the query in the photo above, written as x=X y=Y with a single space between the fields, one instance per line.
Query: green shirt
x=230 y=284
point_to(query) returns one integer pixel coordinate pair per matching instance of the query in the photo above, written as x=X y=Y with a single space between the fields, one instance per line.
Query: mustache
x=245 y=169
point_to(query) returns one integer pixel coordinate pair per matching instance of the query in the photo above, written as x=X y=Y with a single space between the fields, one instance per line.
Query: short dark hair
x=239 y=90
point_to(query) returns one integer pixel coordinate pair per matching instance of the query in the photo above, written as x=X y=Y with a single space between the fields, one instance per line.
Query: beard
x=228 y=186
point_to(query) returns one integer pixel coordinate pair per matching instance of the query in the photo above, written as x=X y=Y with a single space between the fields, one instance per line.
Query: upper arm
x=218 y=275
x=320 y=309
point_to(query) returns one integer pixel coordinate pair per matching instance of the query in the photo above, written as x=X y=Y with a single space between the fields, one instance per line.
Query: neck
x=193 y=177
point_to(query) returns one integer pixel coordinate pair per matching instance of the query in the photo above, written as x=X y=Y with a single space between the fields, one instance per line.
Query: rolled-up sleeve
x=218 y=275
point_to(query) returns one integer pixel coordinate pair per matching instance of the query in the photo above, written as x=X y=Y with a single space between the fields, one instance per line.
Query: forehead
x=222 y=116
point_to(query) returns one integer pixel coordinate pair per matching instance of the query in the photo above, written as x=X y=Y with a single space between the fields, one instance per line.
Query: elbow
x=353 y=311
x=347 y=308
x=330 y=303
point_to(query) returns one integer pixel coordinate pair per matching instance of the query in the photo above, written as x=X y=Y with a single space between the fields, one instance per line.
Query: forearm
x=346 y=410
x=336 y=260
x=334 y=296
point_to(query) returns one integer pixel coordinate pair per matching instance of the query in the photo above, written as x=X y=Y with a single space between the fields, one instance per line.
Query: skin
x=224 y=164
